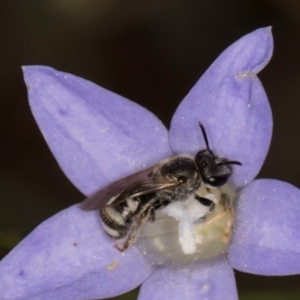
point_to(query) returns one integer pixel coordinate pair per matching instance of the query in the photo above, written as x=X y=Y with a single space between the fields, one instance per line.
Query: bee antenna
x=233 y=162
x=205 y=138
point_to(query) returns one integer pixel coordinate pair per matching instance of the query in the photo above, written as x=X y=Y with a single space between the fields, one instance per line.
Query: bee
x=129 y=203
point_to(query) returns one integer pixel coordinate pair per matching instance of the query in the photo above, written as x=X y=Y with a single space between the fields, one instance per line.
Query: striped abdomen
x=117 y=219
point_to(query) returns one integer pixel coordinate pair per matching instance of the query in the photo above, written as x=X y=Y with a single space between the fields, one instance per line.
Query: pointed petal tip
x=35 y=68
x=36 y=74
x=260 y=49
x=96 y=135
x=232 y=104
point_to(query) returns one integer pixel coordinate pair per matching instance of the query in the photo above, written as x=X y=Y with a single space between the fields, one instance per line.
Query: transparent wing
x=137 y=184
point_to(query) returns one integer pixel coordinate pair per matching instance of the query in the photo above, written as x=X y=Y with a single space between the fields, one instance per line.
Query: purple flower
x=98 y=137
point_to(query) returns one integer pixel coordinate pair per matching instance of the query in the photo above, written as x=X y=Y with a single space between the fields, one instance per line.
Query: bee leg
x=151 y=217
x=215 y=218
x=129 y=240
x=147 y=215
x=225 y=201
x=121 y=249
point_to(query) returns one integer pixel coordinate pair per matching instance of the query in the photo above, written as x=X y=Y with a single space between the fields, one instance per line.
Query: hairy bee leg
x=130 y=238
x=147 y=215
x=120 y=249
x=225 y=201
x=129 y=241
x=151 y=217
x=215 y=218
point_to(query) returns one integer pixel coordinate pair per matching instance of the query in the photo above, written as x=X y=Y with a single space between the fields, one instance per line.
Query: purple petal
x=266 y=238
x=231 y=103
x=66 y=258
x=96 y=136
x=210 y=280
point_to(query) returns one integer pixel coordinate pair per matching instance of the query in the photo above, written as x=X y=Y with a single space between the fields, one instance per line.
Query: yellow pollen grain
x=113 y=265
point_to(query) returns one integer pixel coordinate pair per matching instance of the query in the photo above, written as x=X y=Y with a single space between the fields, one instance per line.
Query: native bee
x=129 y=203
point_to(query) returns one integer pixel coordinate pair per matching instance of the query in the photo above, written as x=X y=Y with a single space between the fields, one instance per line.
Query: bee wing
x=134 y=185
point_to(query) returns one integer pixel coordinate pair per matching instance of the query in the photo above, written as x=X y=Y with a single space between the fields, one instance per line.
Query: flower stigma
x=190 y=231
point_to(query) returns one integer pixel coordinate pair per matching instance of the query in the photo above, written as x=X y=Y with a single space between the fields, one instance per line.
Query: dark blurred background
x=151 y=52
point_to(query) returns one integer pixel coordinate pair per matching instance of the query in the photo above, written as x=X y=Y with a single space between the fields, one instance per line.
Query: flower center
x=191 y=230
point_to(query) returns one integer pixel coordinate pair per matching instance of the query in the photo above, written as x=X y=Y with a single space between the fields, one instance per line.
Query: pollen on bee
x=188 y=230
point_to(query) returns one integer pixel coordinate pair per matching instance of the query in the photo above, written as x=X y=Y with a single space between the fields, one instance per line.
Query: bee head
x=215 y=170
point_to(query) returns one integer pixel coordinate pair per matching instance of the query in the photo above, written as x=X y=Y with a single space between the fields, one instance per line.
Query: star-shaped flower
x=98 y=137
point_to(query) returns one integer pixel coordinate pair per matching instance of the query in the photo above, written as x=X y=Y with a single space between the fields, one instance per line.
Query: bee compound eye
x=217 y=181
x=182 y=179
